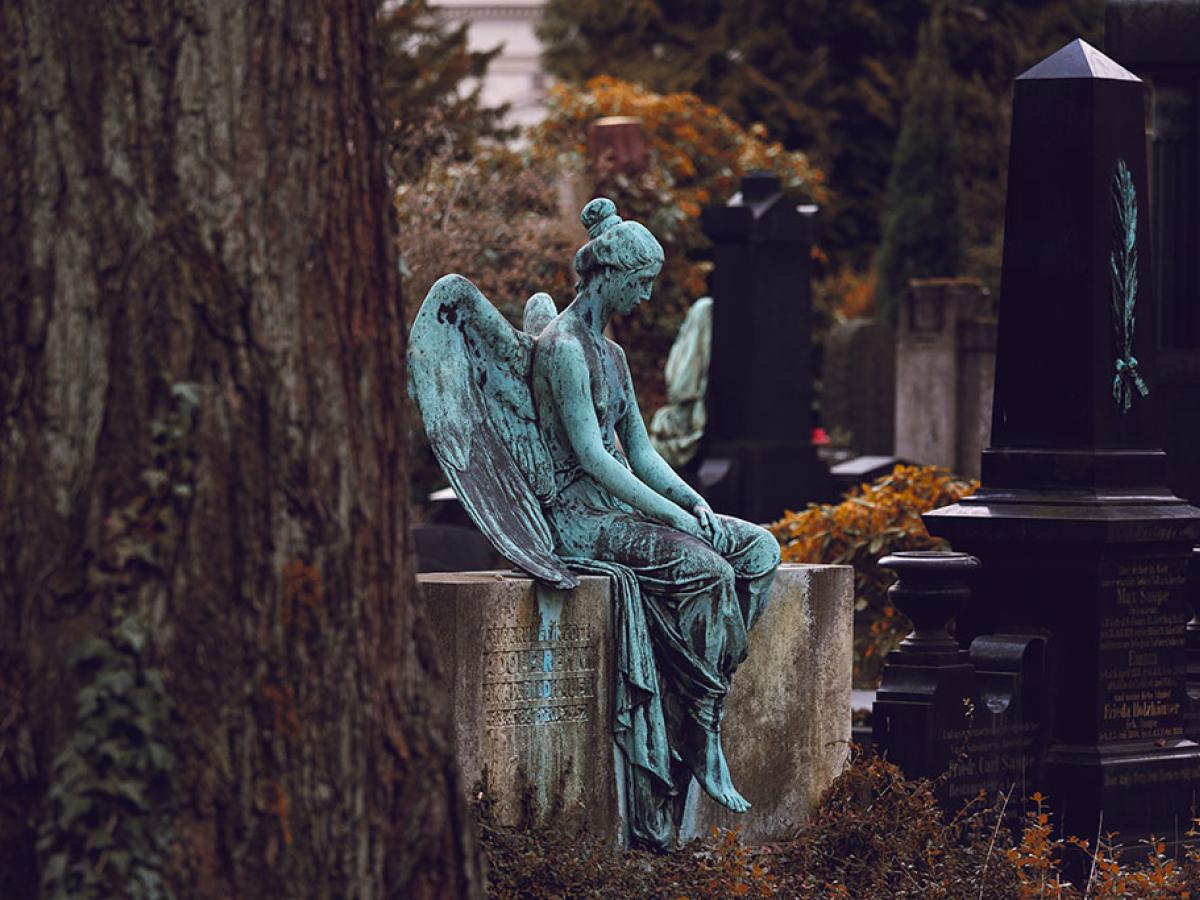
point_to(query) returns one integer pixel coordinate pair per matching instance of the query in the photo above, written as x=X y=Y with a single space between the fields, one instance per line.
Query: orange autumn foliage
x=845 y=294
x=699 y=151
x=874 y=520
x=697 y=156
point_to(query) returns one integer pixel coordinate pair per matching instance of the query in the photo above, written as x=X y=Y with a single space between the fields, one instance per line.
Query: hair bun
x=599 y=216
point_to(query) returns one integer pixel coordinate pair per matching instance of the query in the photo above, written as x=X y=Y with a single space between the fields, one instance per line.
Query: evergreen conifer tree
x=827 y=78
x=922 y=228
x=430 y=84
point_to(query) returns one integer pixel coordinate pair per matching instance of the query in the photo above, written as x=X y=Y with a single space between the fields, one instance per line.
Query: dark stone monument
x=758 y=459
x=858 y=384
x=972 y=720
x=1160 y=42
x=1081 y=538
x=617 y=145
x=453 y=548
x=1191 y=718
x=448 y=540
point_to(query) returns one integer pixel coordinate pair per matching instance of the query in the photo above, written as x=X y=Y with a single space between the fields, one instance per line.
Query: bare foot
x=712 y=772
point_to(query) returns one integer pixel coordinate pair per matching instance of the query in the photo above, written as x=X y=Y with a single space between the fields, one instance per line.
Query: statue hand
x=708 y=520
x=692 y=525
x=715 y=531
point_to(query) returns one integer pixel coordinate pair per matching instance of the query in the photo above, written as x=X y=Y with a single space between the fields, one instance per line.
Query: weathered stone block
x=787 y=720
x=530 y=672
x=945 y=366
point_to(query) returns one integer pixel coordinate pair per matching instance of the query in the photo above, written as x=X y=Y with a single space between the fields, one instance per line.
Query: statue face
x=624 y=290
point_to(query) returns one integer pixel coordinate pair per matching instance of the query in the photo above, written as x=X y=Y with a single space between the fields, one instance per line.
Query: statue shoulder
x=558 y=345
x=617 y=352
x=615 y=349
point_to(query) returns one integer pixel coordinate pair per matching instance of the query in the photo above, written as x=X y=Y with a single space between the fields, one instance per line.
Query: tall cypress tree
x=828 y=78
x=922 y=228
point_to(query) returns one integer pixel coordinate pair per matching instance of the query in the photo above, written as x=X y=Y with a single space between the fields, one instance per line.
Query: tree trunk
x=212 y=672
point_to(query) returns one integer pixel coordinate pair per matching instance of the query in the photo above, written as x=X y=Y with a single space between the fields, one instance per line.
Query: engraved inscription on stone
x=992 y=760
x=1142 y=651
x=1142 y=777
x=538 y=676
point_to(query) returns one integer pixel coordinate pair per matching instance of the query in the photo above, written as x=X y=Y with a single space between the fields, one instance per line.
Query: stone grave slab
x=530 y=674
x=787 y=719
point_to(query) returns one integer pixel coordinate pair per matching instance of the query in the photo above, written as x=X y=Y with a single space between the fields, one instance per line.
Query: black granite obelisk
x=1074 y=523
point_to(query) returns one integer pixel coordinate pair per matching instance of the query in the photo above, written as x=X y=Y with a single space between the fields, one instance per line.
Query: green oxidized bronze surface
x=540 y=434
x=1123 y=265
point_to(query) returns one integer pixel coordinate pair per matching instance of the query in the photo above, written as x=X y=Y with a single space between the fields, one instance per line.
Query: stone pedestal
x=1079 y=535
x=530 y=672
x=945 y=366
x=787 y=720
x=970 y=720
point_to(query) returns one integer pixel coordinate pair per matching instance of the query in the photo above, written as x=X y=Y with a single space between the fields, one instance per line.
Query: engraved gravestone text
x=1141 y=652
x=990 y=759
x=538 y=675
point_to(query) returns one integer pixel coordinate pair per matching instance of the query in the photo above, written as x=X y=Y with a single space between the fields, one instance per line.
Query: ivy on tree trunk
x=193 y=194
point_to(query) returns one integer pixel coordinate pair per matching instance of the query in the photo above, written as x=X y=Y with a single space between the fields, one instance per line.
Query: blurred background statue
x=676 y=429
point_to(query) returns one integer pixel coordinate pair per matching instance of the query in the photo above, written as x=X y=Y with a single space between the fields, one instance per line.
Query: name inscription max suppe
x=538 y=676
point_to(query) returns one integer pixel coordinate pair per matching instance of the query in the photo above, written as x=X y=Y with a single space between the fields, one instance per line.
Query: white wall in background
x=515 y=76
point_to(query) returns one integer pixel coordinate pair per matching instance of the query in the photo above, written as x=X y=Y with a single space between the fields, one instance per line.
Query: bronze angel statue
x=540 y=434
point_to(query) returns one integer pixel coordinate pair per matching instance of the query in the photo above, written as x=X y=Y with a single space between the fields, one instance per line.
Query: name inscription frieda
x=1142 y=651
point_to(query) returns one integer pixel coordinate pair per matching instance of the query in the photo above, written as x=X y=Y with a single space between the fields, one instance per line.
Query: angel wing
x=469 y=373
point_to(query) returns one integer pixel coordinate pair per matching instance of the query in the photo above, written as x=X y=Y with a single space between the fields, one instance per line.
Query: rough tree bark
x=212 y=676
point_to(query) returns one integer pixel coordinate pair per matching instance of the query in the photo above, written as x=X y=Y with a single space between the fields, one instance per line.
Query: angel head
x=621 y=259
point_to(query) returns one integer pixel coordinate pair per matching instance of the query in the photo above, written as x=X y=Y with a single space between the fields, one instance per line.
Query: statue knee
x=707 y=569
x=764 y=555
x=772 y=553
x=723 y=573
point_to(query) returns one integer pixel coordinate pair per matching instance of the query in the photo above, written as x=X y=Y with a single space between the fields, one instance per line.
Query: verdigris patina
x=539 y=432
x=677 y=428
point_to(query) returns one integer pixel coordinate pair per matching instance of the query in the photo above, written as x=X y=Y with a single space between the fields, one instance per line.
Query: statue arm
x=571 y=386
x=647 y=464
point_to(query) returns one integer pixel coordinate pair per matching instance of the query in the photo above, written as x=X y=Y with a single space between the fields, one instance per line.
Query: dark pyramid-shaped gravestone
x=1070 y=378
x=1078 y=59
x=1079 y=537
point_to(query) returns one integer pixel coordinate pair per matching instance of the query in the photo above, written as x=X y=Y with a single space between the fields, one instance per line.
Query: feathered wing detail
x=469 y=374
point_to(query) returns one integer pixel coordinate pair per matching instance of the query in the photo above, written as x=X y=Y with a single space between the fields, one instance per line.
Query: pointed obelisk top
x=1078 y=59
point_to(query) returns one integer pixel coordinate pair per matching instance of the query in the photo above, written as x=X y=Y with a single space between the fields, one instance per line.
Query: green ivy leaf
x=132 y=792
x=70 y=808
x=88 y=701
x=121 y=861
x=56 y=866
x=118 y=682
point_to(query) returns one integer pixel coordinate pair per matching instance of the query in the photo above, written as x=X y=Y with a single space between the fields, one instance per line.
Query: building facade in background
x=515 y=76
